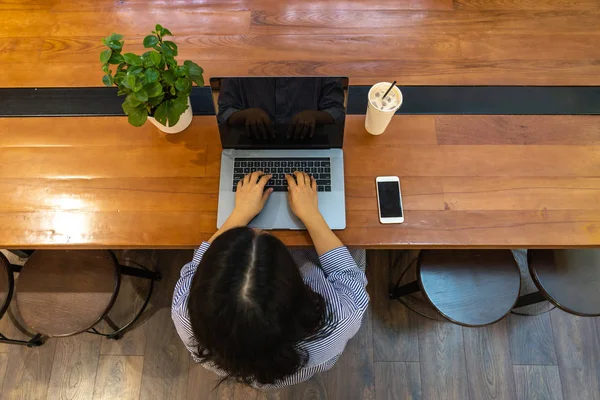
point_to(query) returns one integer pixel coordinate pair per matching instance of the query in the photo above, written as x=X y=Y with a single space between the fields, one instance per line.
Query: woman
x=245 y=309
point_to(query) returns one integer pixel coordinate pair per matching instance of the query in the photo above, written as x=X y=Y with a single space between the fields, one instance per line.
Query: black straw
x=386 y=93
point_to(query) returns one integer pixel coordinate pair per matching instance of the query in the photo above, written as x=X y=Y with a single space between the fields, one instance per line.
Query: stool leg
x=118 y=333
x=404 y=290
x=33 y=342
x=529 y=299
x=139 y=273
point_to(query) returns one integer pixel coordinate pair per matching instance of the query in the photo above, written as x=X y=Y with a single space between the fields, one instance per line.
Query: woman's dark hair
x=249 y=308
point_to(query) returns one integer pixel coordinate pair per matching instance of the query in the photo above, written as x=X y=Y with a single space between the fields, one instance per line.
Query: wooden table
x=467 y=181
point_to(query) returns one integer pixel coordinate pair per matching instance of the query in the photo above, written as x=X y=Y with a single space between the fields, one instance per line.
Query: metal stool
x=63 y=293
x=569 y=279
x=7 y=285
x=468 y=287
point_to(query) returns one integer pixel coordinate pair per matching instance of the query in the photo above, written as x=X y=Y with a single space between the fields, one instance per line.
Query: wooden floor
x=429 y=42
x=395 y=355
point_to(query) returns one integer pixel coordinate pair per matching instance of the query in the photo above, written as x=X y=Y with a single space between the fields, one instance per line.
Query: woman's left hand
x=251 y=196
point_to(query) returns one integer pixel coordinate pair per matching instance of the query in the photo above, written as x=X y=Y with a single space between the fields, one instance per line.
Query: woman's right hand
x=302 y=195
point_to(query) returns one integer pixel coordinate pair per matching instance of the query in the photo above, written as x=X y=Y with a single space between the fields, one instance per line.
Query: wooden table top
x=467 y=181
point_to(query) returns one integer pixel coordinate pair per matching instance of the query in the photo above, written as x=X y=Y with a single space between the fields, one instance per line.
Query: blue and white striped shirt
x=335 y=275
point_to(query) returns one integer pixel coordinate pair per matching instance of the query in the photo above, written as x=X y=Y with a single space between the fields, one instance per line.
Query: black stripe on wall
x=539 y=100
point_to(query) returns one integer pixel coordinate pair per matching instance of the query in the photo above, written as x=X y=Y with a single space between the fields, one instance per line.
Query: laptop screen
x=280 y=112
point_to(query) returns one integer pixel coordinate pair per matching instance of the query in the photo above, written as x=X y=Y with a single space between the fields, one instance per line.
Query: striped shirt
x=336 y=275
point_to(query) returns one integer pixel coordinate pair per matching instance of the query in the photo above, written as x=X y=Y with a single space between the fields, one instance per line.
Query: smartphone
x=389 y=199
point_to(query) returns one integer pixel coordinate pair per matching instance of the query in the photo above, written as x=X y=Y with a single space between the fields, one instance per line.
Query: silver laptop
x=280 y=125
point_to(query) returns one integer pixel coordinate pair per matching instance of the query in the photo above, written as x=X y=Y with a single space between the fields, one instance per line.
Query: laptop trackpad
x=277 y=214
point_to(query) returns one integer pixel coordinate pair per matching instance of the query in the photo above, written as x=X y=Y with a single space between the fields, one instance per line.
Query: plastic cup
x=380 y=111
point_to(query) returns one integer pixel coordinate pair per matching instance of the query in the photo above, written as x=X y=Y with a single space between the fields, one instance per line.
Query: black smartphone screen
x=389 y=199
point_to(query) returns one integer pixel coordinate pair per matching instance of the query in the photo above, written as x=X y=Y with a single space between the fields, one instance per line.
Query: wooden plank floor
x=396 y=355
x=481 y=42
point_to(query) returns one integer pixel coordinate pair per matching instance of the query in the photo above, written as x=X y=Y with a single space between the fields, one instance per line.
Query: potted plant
x=154 y=86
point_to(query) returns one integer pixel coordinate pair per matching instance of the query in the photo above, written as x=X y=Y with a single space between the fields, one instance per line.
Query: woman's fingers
x=253 y=177
x=313 y=183
x=263 y=181
x=300 y=178
x=290 y=180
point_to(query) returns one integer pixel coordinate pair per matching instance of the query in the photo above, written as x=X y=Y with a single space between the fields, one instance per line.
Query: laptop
x=279 y=125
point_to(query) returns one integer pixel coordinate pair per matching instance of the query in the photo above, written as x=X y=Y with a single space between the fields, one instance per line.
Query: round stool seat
x=470 y=287
x=568 y=278
x=62 y=293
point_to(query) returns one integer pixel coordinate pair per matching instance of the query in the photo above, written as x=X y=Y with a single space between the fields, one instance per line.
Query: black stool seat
x=470 y=287
x=568 y=278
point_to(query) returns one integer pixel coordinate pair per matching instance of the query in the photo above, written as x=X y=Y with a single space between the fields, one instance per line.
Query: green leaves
x=137 y=116
x=169 y=48
x=160 y=31
x=114 y=37
x=195 y=72
x=116 y=58
x=153 y=83
x=105 y=56
x=152 y=75
x=156 y=58
x=150 y=41
x=168 y=76
x=132 y=82
x=132 y=59
x=183 y=84
x=170 y=111
x=153 y=89
x=107 y=80
x=141 y=95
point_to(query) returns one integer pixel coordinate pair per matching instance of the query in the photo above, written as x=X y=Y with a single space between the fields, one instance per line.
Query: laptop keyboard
x=319 y=168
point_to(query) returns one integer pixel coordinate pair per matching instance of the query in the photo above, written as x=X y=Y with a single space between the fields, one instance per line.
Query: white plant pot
x=184 y=121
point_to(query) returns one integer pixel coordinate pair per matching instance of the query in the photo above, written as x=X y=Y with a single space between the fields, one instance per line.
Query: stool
x=468 y=287
x=63 y=293
x=569 y=279
x=7 y=285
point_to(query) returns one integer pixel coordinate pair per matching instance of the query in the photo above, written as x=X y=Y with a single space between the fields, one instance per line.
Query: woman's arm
x=250 y=198
x=304 y=203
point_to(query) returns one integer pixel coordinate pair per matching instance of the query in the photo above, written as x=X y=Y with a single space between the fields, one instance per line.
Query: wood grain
x=578 y=351
x=28 y=372
x=526 y=4
x=517 y=129
x=395 y=327
x=529 y=46
x=344 y=22
x=68 y=163
x=74 y=367
x=18 y=50
x=537 y=382
x=42 y=23
x=531 y=339
x=443 y=365
x=493 y=193
x=268 y=47
x=3 y=365
x=119 y=377
x=67 y=5
x=12 y=5
x=166 y=360
x=460 y=72
x=353 y=375
x=488 y=362
x=472 y=42
x=397 y=381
